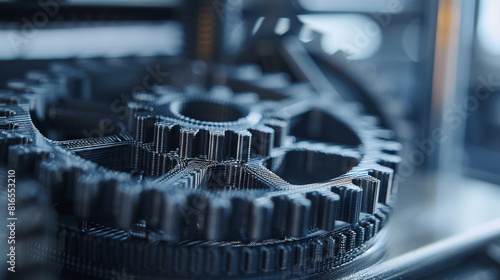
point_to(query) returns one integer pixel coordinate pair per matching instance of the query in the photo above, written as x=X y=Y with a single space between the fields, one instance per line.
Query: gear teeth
x=370 y=186
x=375 y=224
x=262 y=140
x=279 y=215
x=140 y=156
x=166 y=137
x=350 y=203
x=260 y=217
x=197 y=261
x=114 y=201
x=86 y=192
x=382 y=218
x=171 y=216
x=144 y=128
x=360 y=235
x=385 y=175
x=187 y=142
x=182 y=261
x=315 y=254
x=329 y=249
x=240 y=218
x=292 y=215
x=50 y=173
x=127 y=204
x=25 y=159
x=248 y=261
x=213 y=262
x=265 y=259
x=195 y=216
x=299 y=256
x=238 y=145
x=284 y=257
x=314 y=197
x=61 y=178
x=328 y=208
x=150 y=206
x=392 y=162
x=298 y=216
x=8 y=139
x=280 y=128
x=218 y=212
x=133 y=109
x=350 y=239
x=230 y=263
x=210 y=145
x=368 y=229
x=340 y=244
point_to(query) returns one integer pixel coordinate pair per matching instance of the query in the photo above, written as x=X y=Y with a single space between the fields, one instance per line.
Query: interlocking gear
x=273 y=181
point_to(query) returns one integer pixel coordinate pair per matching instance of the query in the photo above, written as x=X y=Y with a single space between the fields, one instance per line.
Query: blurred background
x=429 y=69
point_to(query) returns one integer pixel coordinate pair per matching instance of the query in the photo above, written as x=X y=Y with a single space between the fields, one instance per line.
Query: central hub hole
x=211 y=111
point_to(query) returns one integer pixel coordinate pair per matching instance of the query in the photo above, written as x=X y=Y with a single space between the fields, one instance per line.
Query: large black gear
x=277 y=182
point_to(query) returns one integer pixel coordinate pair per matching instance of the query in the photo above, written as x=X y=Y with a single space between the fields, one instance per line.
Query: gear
x=275 y=182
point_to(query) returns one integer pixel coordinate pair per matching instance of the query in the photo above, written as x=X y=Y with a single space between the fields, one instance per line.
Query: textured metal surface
x=266 y=178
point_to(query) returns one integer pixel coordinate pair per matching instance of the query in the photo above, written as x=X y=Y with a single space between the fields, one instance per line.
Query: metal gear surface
x=256 y=179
